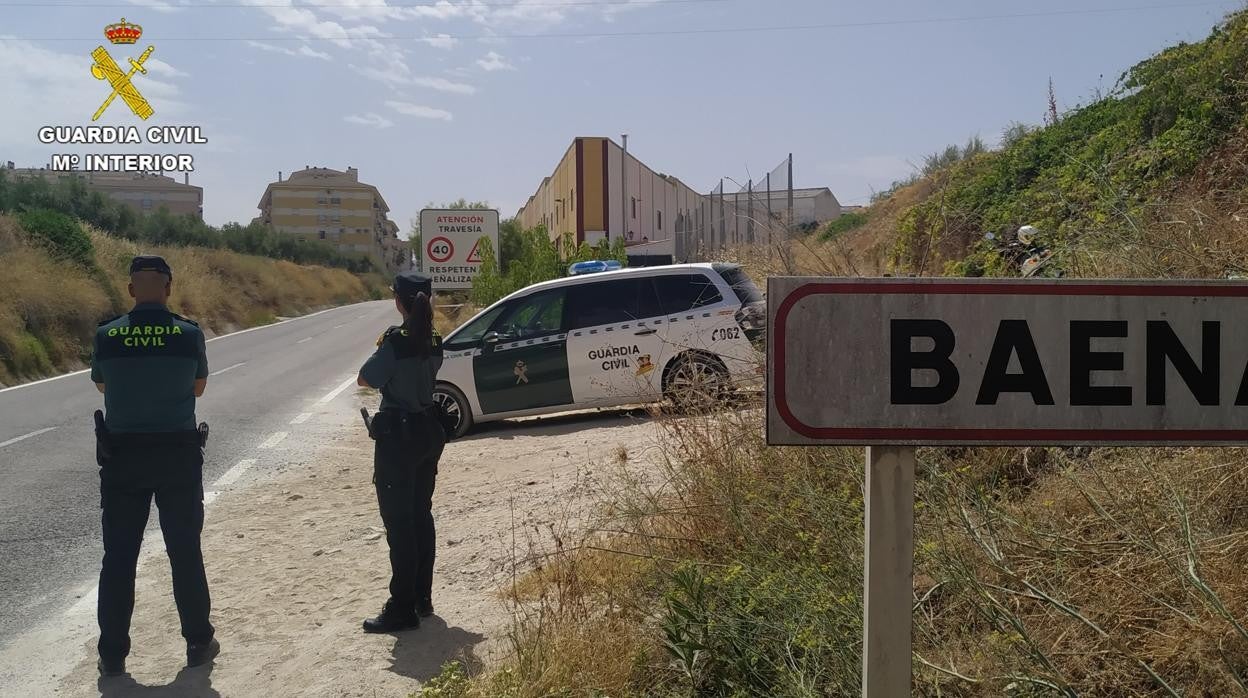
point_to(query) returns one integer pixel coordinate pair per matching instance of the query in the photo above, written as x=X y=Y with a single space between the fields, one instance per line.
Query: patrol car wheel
x=455 y=405
x=696 y=383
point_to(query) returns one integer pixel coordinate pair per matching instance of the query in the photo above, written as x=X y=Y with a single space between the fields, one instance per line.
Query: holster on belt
x=396 y=423
x=101 y=436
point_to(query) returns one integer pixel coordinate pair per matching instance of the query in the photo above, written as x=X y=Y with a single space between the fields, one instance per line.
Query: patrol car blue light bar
x=592 y=267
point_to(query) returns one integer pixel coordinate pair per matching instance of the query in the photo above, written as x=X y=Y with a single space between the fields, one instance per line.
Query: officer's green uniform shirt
x=148 y=361
x=405 y=378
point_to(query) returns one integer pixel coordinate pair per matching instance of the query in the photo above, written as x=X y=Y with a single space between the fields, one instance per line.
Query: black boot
x=424 y=608
x=112 y=667
x=202 y=652
x=392 y=619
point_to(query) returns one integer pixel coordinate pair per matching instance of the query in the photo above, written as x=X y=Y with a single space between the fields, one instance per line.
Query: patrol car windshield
x=741 y=284
x=470 y=335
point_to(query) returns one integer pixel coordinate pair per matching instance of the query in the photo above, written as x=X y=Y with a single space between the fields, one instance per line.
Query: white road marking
x=232 y=334
x=26 y=436
x=305 y=339
x=87 y=602
x=231 y=476
x=340 y=326
x=301 y=418
x=227 y=368
x=274 y=440
x=338 y=391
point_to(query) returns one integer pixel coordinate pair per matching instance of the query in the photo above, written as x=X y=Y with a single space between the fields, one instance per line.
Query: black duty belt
x=181 y=437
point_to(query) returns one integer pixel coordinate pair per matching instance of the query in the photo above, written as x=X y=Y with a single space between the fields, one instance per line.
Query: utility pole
x=623 y=189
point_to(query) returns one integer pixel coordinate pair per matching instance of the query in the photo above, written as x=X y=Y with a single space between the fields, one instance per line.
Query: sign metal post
x=887 y=571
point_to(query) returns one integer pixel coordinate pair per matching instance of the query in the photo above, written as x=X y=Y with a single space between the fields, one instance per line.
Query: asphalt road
x=265 y=380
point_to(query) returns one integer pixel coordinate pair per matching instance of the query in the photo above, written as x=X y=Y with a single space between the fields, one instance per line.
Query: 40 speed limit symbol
x=440 y=249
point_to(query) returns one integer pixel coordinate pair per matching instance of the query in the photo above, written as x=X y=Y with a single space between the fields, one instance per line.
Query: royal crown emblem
x=123 y=33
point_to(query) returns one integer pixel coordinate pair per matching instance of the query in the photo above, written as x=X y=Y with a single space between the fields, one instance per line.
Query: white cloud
x=443 y=41
x=370 y=119
x=304 y=23
x=493 y=61
x=309 y=52
x=304 y=50
x=419 y=110
x=162 y=68
x=444 y=85
x=158 y=5
x=392 y=70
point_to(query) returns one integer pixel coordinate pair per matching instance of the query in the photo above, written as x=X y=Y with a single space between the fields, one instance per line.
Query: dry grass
x=1118 y=573
x=49 y=309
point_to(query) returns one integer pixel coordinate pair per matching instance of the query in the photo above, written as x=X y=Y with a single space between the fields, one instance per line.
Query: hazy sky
x=479 y=98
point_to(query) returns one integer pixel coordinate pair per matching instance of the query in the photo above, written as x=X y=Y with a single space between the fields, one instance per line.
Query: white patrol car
x=680 y=332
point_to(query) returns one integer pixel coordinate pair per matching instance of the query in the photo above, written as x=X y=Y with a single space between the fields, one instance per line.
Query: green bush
x=60 y=234
x=535 y=258
x=845 y=223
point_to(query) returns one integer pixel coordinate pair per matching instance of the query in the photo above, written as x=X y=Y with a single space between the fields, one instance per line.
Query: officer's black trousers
x=405 y=466
x=130 y=477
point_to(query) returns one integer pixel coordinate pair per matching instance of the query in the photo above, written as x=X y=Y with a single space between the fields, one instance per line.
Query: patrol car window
x=535 y=316
x=470 y=336
x=612 y=302
x=681 y=292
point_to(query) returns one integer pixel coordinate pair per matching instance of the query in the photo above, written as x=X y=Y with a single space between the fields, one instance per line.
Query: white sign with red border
x=450 y=244
x=903 y=361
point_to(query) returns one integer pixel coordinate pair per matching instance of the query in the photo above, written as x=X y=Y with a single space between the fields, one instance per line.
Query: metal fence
x=758 y=214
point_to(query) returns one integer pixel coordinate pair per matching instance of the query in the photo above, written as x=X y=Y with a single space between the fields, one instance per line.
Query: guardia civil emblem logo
x=105 y=68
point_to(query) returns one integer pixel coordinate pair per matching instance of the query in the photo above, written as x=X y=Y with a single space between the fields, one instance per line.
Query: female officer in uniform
x=409 y=441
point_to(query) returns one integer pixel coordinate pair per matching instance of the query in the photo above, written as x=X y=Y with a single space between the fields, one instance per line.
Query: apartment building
x=144 y=192
x=318 y=203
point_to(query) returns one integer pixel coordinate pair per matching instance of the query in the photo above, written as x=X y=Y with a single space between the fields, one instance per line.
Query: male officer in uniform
x=151 y=364
x=410 y=439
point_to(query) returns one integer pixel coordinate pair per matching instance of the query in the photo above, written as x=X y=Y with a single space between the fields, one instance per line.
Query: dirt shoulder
x=298 y=560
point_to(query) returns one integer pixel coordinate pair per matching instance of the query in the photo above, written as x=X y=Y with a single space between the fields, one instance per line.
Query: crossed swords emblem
x=105 y=68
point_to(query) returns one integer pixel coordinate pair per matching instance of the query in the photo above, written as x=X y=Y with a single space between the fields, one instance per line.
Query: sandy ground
x=296 y=559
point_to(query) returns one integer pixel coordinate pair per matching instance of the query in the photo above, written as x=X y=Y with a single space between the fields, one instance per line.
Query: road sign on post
x=450 y=251
x=898 y=363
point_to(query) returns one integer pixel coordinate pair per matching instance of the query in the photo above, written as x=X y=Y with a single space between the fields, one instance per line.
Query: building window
x=572 y=198
x=320 y=218
x=322 y=200
x=336 y=200
x=147 y=204
x=634 y=206
x=659 y=216
x=322 y=234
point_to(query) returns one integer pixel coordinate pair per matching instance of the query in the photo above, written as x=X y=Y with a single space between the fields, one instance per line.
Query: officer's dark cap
x=150 y=262
x=409 y=283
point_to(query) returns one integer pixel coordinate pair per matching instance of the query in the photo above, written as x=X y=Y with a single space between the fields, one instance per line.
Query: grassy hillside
x=736 y=569
x=55 y=289
x=1149 y=181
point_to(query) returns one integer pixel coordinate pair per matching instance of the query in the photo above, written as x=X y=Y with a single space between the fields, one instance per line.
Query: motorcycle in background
x=1027 y=254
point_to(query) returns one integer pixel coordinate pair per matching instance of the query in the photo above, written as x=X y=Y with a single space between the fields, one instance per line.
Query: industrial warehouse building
x=598 y=190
